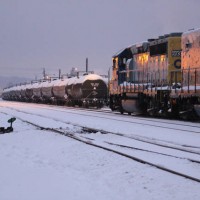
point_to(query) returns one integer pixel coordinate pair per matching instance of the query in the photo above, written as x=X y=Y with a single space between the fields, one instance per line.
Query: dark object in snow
x=8 y=129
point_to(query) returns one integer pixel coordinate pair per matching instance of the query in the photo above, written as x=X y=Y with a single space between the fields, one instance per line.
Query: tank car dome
x=91 y=77
x=74 y=71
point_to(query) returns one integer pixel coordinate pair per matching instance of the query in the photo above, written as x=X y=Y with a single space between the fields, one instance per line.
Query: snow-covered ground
x=37 y=164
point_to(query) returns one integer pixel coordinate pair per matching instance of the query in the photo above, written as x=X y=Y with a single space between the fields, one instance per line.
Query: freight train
x=88 y=90
x=158 y=77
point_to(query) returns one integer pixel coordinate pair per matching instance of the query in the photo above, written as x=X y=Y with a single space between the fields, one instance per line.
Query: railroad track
x=112 y=116
x=134 y=158
x=137 y=137
x=155 y=152
x=109 y=113
x=85 y=134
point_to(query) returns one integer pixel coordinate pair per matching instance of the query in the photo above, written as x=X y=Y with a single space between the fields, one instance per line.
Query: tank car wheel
x=99 y=105
x=80 y=104
x=69 y=103
x=85 y=105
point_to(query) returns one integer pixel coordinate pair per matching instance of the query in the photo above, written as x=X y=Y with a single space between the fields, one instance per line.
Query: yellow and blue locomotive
x=150 y=78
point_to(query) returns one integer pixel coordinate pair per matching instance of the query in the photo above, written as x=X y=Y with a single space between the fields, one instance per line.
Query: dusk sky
x=60 y=34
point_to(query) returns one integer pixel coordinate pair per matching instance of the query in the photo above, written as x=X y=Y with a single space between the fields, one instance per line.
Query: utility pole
x=59 y=74
x=86 y=65
x=44 y=73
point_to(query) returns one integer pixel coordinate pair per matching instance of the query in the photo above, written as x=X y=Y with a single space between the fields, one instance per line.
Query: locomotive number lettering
x=176 y=53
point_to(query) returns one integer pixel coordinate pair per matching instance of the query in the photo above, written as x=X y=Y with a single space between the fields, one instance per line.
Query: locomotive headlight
x=94 y=88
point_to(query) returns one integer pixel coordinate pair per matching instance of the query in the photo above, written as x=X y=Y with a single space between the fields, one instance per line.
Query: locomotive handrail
x=189 y=68
x=151 y=80
x=190 y=78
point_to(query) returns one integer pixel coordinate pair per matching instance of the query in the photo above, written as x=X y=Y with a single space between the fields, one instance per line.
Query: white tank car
x=36 y=92
x=46 y=91
x=86 y=90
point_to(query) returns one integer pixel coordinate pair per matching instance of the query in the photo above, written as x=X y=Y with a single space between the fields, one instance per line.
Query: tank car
x=23 y=93
x=37 y=96
x=17 y=90
x=59 y=91
x=9 y=93
x=87 y=90
x=6 y=94
x=46 y=88
x=29 y=92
